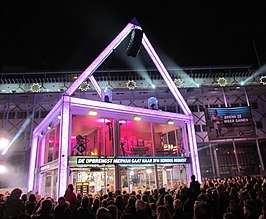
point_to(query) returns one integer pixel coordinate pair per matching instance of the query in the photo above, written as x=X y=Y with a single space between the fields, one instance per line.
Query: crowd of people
x=227 y=198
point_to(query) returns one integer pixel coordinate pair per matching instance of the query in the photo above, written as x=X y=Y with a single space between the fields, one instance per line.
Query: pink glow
x=95 y=85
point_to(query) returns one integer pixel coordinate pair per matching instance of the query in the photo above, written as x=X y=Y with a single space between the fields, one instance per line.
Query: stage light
x=50 y=126
x=41 y=134
x=170 y=122
x=106 y=95
x=4 y=143
x=137 y=118
x=3 y=169
x=93 y=113
x=59 y=116
x=153 y=103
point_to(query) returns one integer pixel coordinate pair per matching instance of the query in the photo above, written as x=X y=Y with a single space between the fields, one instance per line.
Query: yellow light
x=92 y=113
x=137 y=118
x=170 y=122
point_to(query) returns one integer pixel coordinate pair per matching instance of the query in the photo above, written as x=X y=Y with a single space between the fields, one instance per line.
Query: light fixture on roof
x=137 y=118
x=59 y=116
x=42 y=134
x=179 y=83
x=35 y=87
x=170 y=122
x=263 y=80
x=85 y=86
x=131 y=84
x=92 y=112
x=222 y=82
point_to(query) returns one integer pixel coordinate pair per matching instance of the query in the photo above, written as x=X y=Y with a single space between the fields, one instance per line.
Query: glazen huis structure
x=100 y=146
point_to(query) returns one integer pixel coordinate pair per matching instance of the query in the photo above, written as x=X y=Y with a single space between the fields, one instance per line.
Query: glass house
x=99 y=146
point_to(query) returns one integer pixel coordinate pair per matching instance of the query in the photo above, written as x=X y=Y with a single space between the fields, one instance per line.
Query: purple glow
x=168 y=80
x=194 y=149
x=113 y=110
x=131 y=111
x=65 y=126
x=33 y=156
x=100 y=59
x=54 y=112
x=185 y=139
x=41 y=162
x=194 y=144
x=95 y=85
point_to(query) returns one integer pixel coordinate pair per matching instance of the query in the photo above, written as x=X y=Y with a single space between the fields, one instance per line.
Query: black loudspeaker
x=135 y=42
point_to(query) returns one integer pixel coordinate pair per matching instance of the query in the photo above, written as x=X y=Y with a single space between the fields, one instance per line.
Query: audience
x=227 y=198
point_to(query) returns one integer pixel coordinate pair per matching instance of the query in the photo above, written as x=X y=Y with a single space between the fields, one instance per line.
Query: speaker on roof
x=134 y=43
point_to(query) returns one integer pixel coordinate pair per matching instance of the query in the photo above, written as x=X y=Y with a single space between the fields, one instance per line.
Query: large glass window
x=50 y=183
x=168 y=140
x=171 y=176
x=52 y=144
x=248 y=158
x=205 y=158
x=137 y=178
x=135 y=138
x=226 y=159
x=99 y=180
x=92 y=136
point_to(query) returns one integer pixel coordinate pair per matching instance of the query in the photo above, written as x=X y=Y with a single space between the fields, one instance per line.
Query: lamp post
x=149 y=171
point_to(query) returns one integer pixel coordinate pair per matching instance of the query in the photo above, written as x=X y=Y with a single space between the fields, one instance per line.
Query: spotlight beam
x=23 y=127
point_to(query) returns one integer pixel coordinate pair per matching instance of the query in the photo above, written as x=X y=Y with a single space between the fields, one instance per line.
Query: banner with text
x=229 y=123
x=85 y=161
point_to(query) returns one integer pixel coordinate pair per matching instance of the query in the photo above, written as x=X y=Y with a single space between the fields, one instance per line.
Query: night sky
x=69 y=35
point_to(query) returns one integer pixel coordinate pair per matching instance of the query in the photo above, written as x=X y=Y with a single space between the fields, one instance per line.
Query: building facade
x=240 y=154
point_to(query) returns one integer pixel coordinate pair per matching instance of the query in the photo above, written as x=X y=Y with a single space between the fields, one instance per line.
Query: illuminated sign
x=230 y=122
x=85 y=161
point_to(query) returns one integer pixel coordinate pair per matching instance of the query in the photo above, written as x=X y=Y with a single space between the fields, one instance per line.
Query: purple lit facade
x=53 y=166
